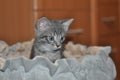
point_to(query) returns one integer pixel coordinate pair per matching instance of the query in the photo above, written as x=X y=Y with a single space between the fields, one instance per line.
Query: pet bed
x=88 y=63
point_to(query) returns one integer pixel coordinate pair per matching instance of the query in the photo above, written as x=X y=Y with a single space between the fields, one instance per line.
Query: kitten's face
x=52 y=40
x=50 y=34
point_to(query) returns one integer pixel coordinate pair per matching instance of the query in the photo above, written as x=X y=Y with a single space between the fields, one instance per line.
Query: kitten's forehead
x=56 y=27
x=56 y=24
x=57 y=31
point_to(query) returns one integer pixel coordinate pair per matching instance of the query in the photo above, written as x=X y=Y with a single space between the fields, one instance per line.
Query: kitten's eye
x=62 y=38
x=50 y=38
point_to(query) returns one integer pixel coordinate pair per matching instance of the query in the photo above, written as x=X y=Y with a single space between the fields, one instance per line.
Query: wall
x=18 y=17
x=16 y=20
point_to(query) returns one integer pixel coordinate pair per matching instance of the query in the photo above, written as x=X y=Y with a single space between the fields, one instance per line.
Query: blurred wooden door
x=16 y=20
x=109 y=28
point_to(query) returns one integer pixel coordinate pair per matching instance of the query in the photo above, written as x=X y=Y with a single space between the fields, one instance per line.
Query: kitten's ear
x=67 y=23
x=42 y=24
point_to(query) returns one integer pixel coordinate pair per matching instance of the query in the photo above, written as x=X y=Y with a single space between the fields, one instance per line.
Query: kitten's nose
x=58 y=45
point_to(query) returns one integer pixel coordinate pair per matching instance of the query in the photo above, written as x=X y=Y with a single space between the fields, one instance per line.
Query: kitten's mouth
x=57 y=49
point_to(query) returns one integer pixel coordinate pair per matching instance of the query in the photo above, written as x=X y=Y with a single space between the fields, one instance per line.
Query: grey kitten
x=50 y=35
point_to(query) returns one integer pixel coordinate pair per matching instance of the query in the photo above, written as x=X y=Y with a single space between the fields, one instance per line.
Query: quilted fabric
x=92 y=67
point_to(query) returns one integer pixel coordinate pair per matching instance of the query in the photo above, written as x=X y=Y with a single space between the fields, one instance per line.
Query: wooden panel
x=108 y=19
x=16 y=20
x=64 y=4
x=94 y=22
x=114 y=41
x=107 y=2
x=119 y=14
x=40 y=4
x=82 y=21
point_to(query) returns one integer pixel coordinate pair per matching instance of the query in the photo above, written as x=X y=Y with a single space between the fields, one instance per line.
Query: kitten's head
x=50 y=34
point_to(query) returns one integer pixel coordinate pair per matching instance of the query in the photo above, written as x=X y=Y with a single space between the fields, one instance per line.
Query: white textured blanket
x=92 y=67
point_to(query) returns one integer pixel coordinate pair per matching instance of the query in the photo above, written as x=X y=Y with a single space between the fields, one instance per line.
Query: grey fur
x=50 y=35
